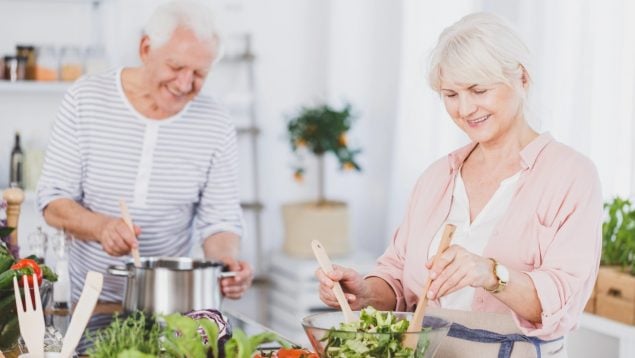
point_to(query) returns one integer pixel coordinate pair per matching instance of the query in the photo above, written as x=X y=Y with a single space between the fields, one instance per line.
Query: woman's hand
x=116 y=238
x=235 y=287
x=354 y=287
x=457 y=268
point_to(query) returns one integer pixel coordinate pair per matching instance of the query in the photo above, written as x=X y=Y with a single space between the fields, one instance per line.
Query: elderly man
x=145 y=135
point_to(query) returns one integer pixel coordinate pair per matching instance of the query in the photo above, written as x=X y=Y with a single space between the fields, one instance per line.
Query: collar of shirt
x=528 y=154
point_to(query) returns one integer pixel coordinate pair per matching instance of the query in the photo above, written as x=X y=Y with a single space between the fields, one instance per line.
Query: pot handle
x=116 y=270
x=227 y=274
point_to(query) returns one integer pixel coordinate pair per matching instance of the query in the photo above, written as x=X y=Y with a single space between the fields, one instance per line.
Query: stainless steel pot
x=171 y=284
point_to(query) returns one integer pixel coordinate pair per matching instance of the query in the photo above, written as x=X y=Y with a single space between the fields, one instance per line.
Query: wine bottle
x=17 y=164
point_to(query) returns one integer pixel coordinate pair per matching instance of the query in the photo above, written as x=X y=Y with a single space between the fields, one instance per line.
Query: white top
x=473 y=237
x=176 y=174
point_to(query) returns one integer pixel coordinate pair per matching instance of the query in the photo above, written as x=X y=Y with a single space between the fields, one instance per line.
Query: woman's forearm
x=379 y=294
x=521 y=297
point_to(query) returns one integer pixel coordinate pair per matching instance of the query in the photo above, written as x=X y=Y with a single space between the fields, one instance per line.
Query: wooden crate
x=590 y=305
x=615 y=295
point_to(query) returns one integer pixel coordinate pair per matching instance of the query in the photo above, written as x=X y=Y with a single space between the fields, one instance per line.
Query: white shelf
x=34 y=86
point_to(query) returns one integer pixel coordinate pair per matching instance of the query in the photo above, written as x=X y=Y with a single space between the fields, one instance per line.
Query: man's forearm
x=76 y=220
x=222 y=244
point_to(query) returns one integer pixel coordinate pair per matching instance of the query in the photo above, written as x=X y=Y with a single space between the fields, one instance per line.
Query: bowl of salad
x=373 y=334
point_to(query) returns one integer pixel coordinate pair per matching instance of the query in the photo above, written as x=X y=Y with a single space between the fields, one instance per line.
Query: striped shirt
x=178 y=175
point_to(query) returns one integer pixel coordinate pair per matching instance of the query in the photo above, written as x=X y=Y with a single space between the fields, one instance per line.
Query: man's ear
x=144 y=48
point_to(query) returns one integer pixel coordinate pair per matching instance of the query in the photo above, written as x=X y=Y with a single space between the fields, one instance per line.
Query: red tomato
x=23 y=263
x=295 y=353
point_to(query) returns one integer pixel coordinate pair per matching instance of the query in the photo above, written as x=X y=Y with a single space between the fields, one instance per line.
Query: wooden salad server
x=327 y=266
x=411 y=340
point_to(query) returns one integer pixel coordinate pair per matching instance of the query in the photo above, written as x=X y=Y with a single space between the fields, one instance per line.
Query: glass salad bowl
x=332 y=338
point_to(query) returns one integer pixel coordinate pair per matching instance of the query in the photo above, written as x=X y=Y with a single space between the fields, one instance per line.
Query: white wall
x=307 y=51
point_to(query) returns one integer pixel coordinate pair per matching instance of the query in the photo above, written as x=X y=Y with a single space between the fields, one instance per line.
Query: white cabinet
x=601 y=337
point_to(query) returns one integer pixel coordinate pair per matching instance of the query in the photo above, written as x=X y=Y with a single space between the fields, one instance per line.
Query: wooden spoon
x=327 y=267
x=411 y=340
x=126 y=217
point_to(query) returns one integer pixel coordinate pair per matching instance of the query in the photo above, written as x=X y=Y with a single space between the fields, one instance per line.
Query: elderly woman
x=528 y=209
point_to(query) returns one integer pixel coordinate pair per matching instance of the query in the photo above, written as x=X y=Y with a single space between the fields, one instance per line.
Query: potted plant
x=318 y=131
x=615 y=288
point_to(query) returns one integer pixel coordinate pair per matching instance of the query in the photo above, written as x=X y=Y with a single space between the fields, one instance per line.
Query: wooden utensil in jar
x=411 y=340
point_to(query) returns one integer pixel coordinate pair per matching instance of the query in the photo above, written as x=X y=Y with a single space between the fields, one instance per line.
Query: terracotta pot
x=308 y=221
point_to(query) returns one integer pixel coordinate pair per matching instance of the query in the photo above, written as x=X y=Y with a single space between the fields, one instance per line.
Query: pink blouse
x=552 y=232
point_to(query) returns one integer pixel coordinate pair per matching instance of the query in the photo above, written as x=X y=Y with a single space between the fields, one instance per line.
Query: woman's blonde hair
x=481 y=48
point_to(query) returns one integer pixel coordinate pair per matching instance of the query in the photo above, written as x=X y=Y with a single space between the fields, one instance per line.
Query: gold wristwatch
x=502 y=275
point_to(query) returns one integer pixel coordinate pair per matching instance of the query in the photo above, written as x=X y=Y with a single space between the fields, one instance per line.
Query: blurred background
x=284 y=54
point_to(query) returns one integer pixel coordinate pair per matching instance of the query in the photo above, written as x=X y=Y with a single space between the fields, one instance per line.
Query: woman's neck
x=507 y=148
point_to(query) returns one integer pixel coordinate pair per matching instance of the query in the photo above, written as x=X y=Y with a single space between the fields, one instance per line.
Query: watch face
x=502 y=273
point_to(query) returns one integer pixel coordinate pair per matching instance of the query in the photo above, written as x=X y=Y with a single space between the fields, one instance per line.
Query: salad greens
x=376 y=334
x=176 y=336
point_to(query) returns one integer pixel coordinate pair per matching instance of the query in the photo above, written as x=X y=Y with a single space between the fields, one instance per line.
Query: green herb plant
x=320 y=130
x=375 y=334
x=618 y=235
x=177 y=336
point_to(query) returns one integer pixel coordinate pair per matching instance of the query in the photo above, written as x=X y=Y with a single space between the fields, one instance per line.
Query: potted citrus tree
x=318 y=131
x=615 y=289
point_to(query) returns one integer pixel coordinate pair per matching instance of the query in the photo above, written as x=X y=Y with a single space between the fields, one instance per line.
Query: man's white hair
x=481 y=48
x=193 y=15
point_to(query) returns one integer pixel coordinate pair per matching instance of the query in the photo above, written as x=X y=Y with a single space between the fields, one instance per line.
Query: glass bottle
x=16 y=171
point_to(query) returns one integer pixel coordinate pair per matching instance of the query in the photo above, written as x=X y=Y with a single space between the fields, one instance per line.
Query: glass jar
x=48 y=63
x=14 y=68
x=71 y=64
x=95 y=60
x=37 y=243
x=57 y=259
x=28 y=52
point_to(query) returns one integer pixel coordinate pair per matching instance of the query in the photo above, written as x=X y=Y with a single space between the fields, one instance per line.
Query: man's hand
x=116 y=238
x=235 y=287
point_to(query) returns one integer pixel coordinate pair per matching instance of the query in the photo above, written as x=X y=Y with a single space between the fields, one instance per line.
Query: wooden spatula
x=126 y=217
x=325 y=264
x=82 y=313
x=411 y=340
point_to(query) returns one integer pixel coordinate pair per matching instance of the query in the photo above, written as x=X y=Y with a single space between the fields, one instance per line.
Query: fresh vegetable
x=375 y=334
x=29 y=263
x=9 y=333
x=138 y=337
x=6 y=278
x=288 y=353
x=215 y=316
x=6 y=260
x=48 y=274
x=134 y=333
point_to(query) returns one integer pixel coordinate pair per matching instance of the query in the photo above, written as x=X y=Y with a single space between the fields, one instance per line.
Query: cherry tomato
x=24 y=263
x=295 y=353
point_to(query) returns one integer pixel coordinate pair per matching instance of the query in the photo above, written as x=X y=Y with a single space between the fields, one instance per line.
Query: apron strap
x=506 y=340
